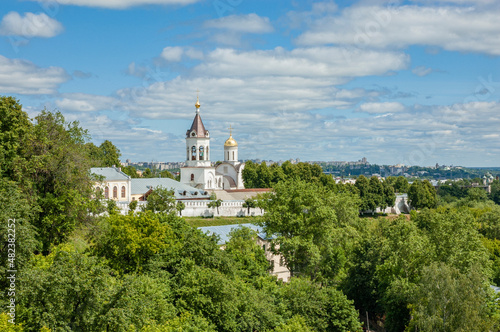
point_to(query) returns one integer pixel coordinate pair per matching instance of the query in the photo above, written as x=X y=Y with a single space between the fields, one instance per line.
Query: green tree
x=214 y=202
x=129 y=242
x=296 y=323
x=110 y=154
x=180 y=206
x=167 y=174
x=401 y=185
x=249 y=257
x=132 y=206
x=59 y=168
x=130 y=171
x=249 y=175
x=147 y=173
x=264 y=176
x=161 y=200
x=323 y=308
x=422 y=194
x=15 y=129
x=249 y=203
x=448 y=300
x=312 y=227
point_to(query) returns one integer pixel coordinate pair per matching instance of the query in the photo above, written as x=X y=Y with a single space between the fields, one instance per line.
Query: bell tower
x=231 y=149
x=197 y=142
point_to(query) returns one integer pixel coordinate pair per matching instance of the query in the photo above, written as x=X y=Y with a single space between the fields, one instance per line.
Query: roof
x=110 y=173
x=223 y=231
x=197 y=126
x=181 y=191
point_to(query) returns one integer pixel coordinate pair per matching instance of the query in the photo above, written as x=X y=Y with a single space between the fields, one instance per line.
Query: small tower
x=197 y=142
x=231 y=149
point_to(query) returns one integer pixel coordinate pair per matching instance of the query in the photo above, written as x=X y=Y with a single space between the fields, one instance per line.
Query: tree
x=214 y=202
x=401 y=185
x=180 y=206
x=130 y=171
x=323 y=308
x=147 y=173
x=249 y=257
x=249 y=203
x=311 y=227
x=132 y=206
x=422 y=195
x=167 y=174
x=59 y=168
x=110 y=154
x=129 y=242
x=249 y=175
x=15 y=129
x=161 y=200
x=448 y=300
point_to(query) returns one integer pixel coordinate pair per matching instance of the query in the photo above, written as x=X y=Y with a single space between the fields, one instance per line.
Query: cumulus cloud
x=24 y=77
x=462 y=29
x=378 y=108
x=332 y=62
x=251 y=23
x=172 y=53
x=82 y=102
x=120 y=4
x=30 y=25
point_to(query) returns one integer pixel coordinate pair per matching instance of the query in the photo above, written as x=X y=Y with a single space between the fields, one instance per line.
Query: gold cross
x=230 y=130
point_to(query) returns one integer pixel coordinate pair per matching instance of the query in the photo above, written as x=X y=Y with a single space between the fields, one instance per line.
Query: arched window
x=201 y=152
x=208 y=156
x=193 y=152
x=192 y=177
x=115 y=192
x=123 y=191
x=228 y=155
x=233 y=155
x=106 y=192
x=187 y=154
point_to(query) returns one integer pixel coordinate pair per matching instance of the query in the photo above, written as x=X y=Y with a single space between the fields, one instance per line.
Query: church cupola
x=197 y=141
x=231 y=149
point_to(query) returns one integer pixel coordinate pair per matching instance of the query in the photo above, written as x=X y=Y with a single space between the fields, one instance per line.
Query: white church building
x=199 y=172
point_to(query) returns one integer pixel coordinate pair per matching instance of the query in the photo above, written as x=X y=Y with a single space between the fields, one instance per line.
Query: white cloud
x=82 y=102
x=30 y=25
x=452 y=28
x=24 y=77
x=379 y=108
x=335 y=63
x=172 y=53
x=120 y=4
x=421 y=71
x=251 y=23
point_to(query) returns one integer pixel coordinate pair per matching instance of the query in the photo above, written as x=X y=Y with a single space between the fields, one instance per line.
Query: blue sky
x=413 y=82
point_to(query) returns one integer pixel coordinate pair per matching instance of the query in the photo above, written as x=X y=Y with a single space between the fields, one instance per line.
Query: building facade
x=199 y=172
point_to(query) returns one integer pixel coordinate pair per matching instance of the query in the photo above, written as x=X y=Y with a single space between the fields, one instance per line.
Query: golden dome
x=230 y=141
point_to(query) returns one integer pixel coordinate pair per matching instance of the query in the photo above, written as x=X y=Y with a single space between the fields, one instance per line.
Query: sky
x=398 y=82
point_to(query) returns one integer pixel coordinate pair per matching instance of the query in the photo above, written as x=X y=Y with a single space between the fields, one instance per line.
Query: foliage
x=312 y=227
x=161 y=200
x=374 y=193
x=249 y=203
x=214 y=202
x=130 y=171
x=323 y=308
x=249 y=257
x=296 y=323
x=129 y=242
x=448 y=300
x=180 y=206
x=422 y=195
x=132 y=206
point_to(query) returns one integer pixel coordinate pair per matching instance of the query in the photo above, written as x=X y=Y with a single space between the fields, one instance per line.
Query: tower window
x=193 y=152
x=233 y=155
x=201 y=153
x=192 y=177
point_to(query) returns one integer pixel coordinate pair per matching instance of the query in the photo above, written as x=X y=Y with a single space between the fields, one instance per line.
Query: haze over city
x=412 y=82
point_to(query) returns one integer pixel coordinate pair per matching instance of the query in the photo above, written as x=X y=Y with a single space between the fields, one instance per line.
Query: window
x=106 y=192
x=228 y=155
x=192 y=177
x=115 y=192
x=123 y=191
x=201 y=152
x=193 y=152
x=282 y=261
x=233 y=155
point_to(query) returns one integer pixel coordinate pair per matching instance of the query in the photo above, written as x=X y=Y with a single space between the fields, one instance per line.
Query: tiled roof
x=110 y=173
x=197 y=126
x=223 y=231
x=181 y=191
